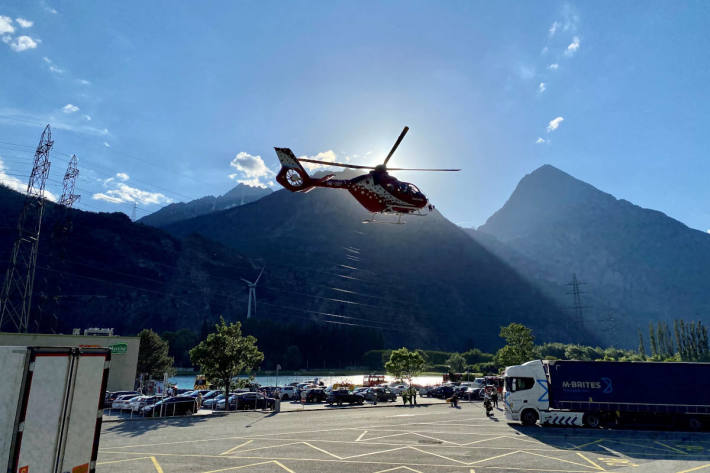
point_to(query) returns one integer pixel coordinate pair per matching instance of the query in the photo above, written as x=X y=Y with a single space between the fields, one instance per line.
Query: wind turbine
x=252 y=292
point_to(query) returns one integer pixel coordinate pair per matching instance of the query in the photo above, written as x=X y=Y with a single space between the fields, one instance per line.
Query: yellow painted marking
x=690 y=448
x=669 y=447
x=696 y=468
x=120 y=461
x=485 y=440
x=324 y=451
x=268 y=446
x=156 y=465
x=375 y=453
x=398 y=468
x=616 y=461
x=234 y=448
x=493 y=458
x=276 y=462
x=361 y=436
x=554 y=458
x=590 y=461
x=428 y=465
x=587 y=444
x=386 y=436
x=434 y=438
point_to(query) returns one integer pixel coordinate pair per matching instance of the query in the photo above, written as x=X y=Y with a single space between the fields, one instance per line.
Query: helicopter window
x=413 y=189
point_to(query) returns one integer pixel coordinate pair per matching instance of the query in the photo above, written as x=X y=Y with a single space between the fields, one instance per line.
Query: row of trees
x=688 y=342
x=221 y=356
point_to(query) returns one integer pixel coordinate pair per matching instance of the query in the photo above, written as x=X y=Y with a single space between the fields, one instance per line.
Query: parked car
x=248 y=400
x=111 y=396
x=472 y=394
x=342 y=396
x=212 y=402
x=442 y=392
x=123 y=402
x=313 y=395
x=288 y=393
x=399 y=388
x=380 y=394
x=138 y=403
x=171 y=406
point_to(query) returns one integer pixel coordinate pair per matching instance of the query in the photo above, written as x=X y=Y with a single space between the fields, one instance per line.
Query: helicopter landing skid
x=372 y=220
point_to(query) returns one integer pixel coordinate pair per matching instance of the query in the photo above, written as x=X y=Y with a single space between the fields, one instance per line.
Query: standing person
x=404 y=397
x=199 y=401
x=494 y=397
x=414 y=395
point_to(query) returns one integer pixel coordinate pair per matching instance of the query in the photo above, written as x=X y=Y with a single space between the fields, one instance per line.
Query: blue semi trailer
x=594 y=393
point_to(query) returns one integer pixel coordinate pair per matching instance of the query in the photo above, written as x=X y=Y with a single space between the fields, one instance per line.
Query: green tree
x=226 y=353
x=405 y=364
x=457 y=363
x=180 y=343
x=519 y=347
x=153 y=359
x=642 y=348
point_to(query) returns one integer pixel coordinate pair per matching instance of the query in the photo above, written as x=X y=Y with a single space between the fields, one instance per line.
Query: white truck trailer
x=51 y=406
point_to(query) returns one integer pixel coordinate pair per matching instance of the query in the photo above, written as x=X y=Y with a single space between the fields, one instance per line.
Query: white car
x=138 y=403
x=123 y=402
x=288 y=393
x=397 y=389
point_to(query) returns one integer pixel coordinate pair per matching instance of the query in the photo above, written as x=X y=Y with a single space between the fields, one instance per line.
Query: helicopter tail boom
x=292 y=175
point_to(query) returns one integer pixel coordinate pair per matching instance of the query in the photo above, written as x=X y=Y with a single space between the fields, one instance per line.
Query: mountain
x=427 y=283
x=239 y=195
x=637 y=265
x=108 y=271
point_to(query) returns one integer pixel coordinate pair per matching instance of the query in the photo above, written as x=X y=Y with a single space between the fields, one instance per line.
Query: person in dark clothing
x=494 y=397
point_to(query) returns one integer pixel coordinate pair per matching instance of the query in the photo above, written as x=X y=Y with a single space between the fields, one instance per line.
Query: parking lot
x=421 y=439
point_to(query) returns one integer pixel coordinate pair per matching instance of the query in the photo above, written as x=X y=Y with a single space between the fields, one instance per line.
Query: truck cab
x=525 y=392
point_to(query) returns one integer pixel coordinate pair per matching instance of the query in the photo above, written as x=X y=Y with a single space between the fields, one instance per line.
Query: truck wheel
x=694 y=423
x=591 y=420
x=528 y=417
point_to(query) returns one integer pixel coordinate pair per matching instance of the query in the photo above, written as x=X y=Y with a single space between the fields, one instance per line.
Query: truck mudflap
x=562 y=418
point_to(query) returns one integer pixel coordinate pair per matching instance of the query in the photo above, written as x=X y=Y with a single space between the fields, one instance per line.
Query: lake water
x=187 y=382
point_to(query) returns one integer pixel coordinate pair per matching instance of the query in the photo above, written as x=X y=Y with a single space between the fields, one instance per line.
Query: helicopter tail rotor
x=292 y=175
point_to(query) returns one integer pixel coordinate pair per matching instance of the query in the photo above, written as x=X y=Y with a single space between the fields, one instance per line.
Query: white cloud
x=251 y=170
x=121 y=192
x=573 y=47
x=553 y=28
x=13 y=116
x=553 y=67
x=540 y=140
x=544 y=50
x=526 y=72
x=84 y=82
x=106 y=144
x=708 y=230
x=52 y=67
x=24 y=23
x=541 y=88
x=6 y=25
x=69 y=108
x=328 y=156
x=554 y=124
x=17 y=185
x=87 y=118
x=6 y=39
x=11 y=181
x=23 y=43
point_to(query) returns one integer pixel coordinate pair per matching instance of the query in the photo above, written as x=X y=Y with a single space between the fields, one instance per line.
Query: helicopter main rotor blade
x=328 y=163
x=413 y=169
x=396 y=144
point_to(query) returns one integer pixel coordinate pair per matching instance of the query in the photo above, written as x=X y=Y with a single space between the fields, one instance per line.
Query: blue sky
x=169 y=101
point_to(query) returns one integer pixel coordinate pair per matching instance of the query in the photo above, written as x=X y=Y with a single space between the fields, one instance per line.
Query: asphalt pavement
x=424 y=439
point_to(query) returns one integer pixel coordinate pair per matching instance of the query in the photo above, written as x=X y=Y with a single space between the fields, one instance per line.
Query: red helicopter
x=377 y=191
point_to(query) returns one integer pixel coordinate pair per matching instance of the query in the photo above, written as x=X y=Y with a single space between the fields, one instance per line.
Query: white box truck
x=51 y=405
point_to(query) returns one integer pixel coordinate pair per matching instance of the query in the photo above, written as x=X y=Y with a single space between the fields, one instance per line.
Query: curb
x=226 y=413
